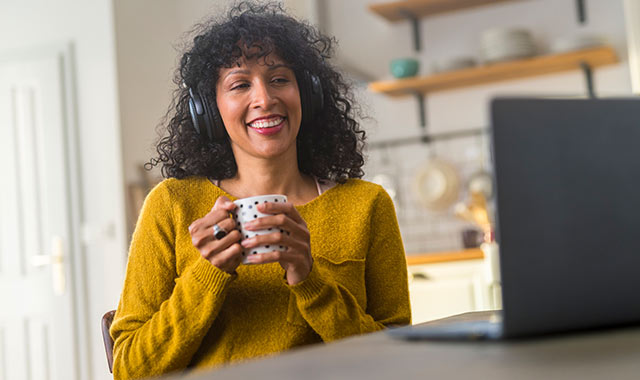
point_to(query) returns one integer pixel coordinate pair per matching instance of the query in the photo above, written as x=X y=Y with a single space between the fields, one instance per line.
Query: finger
x=230 y=255
x=207 y=221
x=276 y=239
x=214 y=246
x=202 y=234
x=281 y=208
x=268 y=257
x=223 y=203
x=281 y=222
x=227 y=224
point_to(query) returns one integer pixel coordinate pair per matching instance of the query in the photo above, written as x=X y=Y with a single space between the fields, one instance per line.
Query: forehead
x=266 y=62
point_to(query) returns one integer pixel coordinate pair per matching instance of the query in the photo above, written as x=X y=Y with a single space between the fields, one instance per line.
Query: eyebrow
x=245 y=71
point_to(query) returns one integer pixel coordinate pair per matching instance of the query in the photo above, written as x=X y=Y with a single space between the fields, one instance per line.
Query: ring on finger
x=219 y=232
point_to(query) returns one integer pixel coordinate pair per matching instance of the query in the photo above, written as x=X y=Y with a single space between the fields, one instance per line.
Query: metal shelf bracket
x=422 y=111
x=415 y=26
x=588 y=77
x=581 y=10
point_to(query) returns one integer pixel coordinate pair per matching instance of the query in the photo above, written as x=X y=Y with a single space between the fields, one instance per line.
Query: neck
x=276 y=175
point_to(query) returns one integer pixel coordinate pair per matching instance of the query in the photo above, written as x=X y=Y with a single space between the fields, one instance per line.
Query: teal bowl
x=404 y=67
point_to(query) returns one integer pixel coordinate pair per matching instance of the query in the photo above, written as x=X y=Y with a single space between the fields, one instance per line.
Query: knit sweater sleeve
x=162 y=317
x=334 y=313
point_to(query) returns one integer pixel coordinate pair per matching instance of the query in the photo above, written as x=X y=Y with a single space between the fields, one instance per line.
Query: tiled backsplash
x=424 y=230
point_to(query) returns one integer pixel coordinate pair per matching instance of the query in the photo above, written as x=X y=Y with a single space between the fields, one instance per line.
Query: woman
x=259 y=111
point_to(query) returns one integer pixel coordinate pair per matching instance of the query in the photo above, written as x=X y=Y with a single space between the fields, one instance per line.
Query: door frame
x=632 y=21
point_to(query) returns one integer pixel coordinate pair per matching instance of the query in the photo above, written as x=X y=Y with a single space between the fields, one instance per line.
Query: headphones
x=208 y=123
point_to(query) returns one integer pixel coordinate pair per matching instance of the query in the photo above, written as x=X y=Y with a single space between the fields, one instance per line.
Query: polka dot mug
x=247 y=211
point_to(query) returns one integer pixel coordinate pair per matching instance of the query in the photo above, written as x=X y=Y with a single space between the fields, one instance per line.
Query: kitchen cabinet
x=448 y=283
x=443 y=289
x=441 y=257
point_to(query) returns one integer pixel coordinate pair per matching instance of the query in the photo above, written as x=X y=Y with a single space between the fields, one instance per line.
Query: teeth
x=266 y=123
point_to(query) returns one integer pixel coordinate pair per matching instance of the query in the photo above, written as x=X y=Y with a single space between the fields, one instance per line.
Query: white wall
x=87 y=25
x=148 y=34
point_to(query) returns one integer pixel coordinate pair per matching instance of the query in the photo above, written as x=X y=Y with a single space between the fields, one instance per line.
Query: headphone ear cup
x=196 y=110
x=311 y=96
x=217 y=126
x=206 y=119
x=317 y=95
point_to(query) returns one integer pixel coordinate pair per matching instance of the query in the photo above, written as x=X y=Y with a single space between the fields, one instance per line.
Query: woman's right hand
x=226 y=253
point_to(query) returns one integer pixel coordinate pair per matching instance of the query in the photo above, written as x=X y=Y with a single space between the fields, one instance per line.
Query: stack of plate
x=566 y=44
x=503 y=44
x=455 y=63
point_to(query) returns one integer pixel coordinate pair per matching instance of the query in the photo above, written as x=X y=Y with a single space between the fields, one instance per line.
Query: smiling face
x=259 y=103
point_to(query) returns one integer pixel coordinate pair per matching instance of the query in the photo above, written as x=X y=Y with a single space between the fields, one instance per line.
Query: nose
x=263 y=96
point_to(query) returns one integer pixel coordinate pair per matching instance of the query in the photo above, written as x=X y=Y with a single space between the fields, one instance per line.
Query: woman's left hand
x=296 y=260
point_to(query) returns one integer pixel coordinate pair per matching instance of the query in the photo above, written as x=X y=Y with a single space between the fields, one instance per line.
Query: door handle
x=419 y=276
x=56 y=260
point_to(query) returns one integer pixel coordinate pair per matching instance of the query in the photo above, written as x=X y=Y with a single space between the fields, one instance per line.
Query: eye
x=280 y=80
x=239 y=86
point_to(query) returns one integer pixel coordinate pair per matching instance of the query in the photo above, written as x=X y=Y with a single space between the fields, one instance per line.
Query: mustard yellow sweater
x=179 y=311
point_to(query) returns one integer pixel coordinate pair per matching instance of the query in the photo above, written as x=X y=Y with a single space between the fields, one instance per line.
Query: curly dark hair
x=330 y=147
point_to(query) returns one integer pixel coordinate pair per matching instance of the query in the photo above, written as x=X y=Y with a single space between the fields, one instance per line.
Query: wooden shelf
x=400 y=10
x=443 y=257
x=522 y=68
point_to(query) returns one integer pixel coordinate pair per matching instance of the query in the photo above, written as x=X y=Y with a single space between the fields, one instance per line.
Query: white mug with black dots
x=247 y=211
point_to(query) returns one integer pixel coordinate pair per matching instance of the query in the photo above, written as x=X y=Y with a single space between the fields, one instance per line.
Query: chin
x=274 y=151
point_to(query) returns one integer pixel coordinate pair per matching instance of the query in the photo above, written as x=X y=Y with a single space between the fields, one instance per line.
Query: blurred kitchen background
x=115 y=61
x=147 y=32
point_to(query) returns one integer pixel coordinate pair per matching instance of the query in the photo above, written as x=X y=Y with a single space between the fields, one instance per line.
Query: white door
x=37 y=337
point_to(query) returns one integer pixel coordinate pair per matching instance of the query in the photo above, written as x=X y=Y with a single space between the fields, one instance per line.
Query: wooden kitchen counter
x=604 y=354
x=443 y=257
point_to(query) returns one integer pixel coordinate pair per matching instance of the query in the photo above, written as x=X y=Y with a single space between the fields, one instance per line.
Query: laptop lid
x=568 y=212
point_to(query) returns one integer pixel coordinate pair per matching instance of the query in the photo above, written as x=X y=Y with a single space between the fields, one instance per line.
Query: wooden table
x=611 y=354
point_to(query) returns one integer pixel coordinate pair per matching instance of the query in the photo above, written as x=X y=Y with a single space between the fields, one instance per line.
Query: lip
x=265 y=118
x=270 y=130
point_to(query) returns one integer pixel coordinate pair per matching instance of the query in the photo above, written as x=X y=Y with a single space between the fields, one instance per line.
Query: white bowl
x=456 y=63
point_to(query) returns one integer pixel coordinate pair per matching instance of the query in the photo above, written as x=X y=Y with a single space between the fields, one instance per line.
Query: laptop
x=567 y=176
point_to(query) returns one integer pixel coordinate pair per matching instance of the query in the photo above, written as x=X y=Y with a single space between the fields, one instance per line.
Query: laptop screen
x=568 y=212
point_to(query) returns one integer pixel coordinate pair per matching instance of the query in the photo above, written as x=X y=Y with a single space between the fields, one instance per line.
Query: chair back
x=107 y=319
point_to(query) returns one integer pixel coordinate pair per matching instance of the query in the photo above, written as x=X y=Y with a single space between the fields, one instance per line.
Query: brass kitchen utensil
x=481 y=180
x=478 y=207
x=475 y=211
x=462 y=211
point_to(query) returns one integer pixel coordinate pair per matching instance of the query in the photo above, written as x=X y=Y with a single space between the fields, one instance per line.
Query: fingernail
x=189 y=228
x=246 y=243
